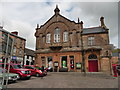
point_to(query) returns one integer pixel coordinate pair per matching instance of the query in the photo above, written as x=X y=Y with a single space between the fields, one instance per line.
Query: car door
x=31 y=69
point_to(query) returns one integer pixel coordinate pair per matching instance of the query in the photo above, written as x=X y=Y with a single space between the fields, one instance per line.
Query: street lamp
x=109 y=56
x=83 y=58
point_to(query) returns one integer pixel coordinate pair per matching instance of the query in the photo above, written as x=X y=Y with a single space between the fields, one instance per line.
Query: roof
x=115 y=54
x=3 y=30
x=29 y=52
x=94 y=30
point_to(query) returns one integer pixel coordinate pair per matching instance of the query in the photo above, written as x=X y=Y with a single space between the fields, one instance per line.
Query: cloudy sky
x=23 y=16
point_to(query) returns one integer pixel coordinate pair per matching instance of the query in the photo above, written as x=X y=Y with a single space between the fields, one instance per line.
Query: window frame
x=57 y=35
x=65 y=36
x=48 y=38
x=91 y=40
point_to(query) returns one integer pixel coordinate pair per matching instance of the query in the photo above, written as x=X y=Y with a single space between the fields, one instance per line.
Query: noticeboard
x=56 y=64
x=78 y=65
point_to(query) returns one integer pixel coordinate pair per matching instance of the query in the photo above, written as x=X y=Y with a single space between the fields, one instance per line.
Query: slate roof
x=29 y=52
x=3 y=30
x=94 y=30
x=115 y=54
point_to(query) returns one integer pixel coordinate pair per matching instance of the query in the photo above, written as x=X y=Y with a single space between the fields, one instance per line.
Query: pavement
x=68 y=80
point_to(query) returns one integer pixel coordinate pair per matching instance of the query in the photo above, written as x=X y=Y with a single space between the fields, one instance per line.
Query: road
x=67 y=80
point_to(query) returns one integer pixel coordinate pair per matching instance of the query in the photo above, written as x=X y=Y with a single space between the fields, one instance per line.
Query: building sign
x=56 y=64
x=14 y=58
x=78 y=65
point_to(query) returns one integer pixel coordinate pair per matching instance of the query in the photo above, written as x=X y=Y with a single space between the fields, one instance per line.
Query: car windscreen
x=17 y=66
x=38 y=68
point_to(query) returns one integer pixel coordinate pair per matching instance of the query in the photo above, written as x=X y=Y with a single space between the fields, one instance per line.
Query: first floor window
x=91 y=40
x=65 y=36
x=57 y=35
x=48 y=38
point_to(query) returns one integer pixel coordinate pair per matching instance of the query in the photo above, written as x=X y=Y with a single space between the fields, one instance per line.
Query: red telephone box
x=115 y=70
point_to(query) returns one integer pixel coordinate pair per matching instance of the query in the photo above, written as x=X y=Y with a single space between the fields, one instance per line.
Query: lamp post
x=83 y=58
x=109 y=57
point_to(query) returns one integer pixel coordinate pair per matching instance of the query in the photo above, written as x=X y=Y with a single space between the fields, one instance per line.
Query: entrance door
x=92 y=63
x=64 y=61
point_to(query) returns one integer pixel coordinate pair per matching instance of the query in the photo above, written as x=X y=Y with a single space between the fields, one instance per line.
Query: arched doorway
x=92 y=63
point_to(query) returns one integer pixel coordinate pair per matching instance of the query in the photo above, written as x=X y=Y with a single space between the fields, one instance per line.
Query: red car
x=34 y=70
x=43 y=70
x=16 y=68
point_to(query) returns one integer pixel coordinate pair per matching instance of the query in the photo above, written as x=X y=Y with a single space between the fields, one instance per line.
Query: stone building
x=62 y=43
x=12 y=46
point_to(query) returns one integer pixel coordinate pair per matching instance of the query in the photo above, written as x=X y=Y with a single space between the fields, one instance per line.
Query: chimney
x=102 y=21
x=15 y=33
x=81 y=24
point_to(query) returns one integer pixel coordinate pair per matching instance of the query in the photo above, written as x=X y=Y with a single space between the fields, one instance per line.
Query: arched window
x=92 y=56
x=65 y=36
x=48 y=38
x=57 y=35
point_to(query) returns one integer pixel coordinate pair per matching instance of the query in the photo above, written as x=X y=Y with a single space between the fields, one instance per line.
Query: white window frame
x=57 y=35
x=48 y=38
x=65 y=36
x=91 y=40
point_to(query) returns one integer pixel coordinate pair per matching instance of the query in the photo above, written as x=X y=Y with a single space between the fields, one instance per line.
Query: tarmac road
x=67 y=80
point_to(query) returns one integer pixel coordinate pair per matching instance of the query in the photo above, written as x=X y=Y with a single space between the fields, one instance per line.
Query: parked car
x=17 y=68
x=35 y=72
x=12 y=77
x=42 y=69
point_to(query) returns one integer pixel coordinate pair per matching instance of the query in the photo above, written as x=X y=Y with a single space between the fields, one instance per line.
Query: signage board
x=78 y=65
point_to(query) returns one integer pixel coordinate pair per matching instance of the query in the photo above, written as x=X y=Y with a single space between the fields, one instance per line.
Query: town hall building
x=62 y=43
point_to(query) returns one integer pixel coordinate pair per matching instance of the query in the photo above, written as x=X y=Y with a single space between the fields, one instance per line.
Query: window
x=27 y=56
x=92 y=56
x=65 y=36
x=48 y=38
x=20 y=51
x=43 y=61
x=14 y=50
x=91 y=40
x=57 y=35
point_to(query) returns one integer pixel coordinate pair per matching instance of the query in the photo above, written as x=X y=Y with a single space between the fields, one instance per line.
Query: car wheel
x=37 y=74
x=28 y=78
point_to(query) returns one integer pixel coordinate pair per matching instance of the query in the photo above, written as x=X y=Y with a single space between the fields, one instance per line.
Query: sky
x=23 y=16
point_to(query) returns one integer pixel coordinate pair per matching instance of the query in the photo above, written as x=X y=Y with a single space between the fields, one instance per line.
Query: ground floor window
x=43 y=61
x=72 y=62
x=64 y=61
x=49 y=60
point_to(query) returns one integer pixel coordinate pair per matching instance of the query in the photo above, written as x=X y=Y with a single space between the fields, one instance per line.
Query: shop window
x=27 y=56
x=64 y=61
x=49 y=60
x=43 y=61
x=72 y=62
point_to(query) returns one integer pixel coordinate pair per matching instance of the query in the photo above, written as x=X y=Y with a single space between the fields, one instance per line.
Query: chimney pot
x=15 y=33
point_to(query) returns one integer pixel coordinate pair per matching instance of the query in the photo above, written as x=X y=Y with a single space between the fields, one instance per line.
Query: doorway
x=92 y=63
x=64 y=62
